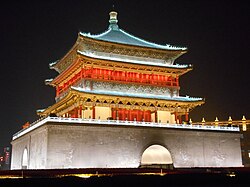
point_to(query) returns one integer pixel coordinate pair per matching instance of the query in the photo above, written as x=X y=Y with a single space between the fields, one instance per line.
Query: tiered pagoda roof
x=117 y=35
x=126 y=46
x=117 y=50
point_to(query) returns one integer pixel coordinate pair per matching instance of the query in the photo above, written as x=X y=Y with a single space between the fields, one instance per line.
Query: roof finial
x=113 y=20
x=113 y=17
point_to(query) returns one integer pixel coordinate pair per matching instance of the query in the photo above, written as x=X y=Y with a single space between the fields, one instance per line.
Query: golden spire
x=230 y=120
x=216 y=121
x=113 y=17
x=203 y=120
x=243 y=118
x=244 y=125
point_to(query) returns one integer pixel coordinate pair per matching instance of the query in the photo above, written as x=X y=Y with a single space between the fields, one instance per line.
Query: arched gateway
x=25 y=159
x=156 y=156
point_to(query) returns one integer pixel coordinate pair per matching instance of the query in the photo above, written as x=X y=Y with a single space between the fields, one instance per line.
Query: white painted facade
x=77 y=143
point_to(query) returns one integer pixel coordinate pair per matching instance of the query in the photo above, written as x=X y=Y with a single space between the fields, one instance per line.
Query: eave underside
x=88 y=44
x=83 y=61
x=76 y=98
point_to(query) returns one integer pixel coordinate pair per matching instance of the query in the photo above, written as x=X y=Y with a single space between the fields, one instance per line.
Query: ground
x=129 y=177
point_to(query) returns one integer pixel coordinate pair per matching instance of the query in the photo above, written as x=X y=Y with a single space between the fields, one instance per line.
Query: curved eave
x=67 y=72
x=183 y=69
x=39 y=112
x=180 y=70
x=52 y=108
x=75 y=94
x=48 y=82
x=136 y=95
x=55 y=64
x=138 y=47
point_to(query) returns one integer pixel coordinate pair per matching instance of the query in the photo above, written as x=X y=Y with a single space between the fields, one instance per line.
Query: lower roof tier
x=138 y=95
x=130 y=60
x=83 y=61
x=79 y=96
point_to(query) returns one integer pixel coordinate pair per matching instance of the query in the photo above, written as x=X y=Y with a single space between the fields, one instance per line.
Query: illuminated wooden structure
x=115 y=75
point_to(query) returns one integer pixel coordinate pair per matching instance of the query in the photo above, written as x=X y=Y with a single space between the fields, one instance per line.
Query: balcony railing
x=42 y=121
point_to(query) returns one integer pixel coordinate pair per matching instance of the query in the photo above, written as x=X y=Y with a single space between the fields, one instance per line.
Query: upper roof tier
x=115 y=43
x=117 y=35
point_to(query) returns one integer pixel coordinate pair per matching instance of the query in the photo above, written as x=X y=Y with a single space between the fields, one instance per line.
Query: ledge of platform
x=42 y=121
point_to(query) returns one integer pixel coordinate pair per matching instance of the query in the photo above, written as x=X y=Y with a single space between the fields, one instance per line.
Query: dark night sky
x=34 y=34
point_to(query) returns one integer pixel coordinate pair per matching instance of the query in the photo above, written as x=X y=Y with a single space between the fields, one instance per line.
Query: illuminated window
x=249 y=154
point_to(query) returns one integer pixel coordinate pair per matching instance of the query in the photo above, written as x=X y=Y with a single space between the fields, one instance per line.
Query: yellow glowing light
x=231 y=174
x=243 y=118
x=156 y=154
x=244 y=125
x=10 y=177
x=216 y=121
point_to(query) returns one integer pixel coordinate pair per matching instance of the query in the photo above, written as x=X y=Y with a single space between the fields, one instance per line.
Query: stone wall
x=88 y=146
x=36 y=144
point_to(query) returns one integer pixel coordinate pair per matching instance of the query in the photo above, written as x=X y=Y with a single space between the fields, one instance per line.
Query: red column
x=113 y=114
x=93 y=112
x=126 y=76
x=176 y=116
x=80 y=112
x=156 y=119
x=132 y=115
x=186 y=117
x=145 y=116
x=75 y=113
x=180 y=120
x=57 y=90
x=114 y=75
x=126 y=114
x=138 y=115
x=92 y=72
x=122 y=114
x=82 y=73
x=177 y=81
x=105 y=75
x=149 y=116
x=110 y=74
x=129 y=115
x=139 y=112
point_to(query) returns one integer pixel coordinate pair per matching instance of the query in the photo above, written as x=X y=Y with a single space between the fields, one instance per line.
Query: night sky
x=34 y=34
